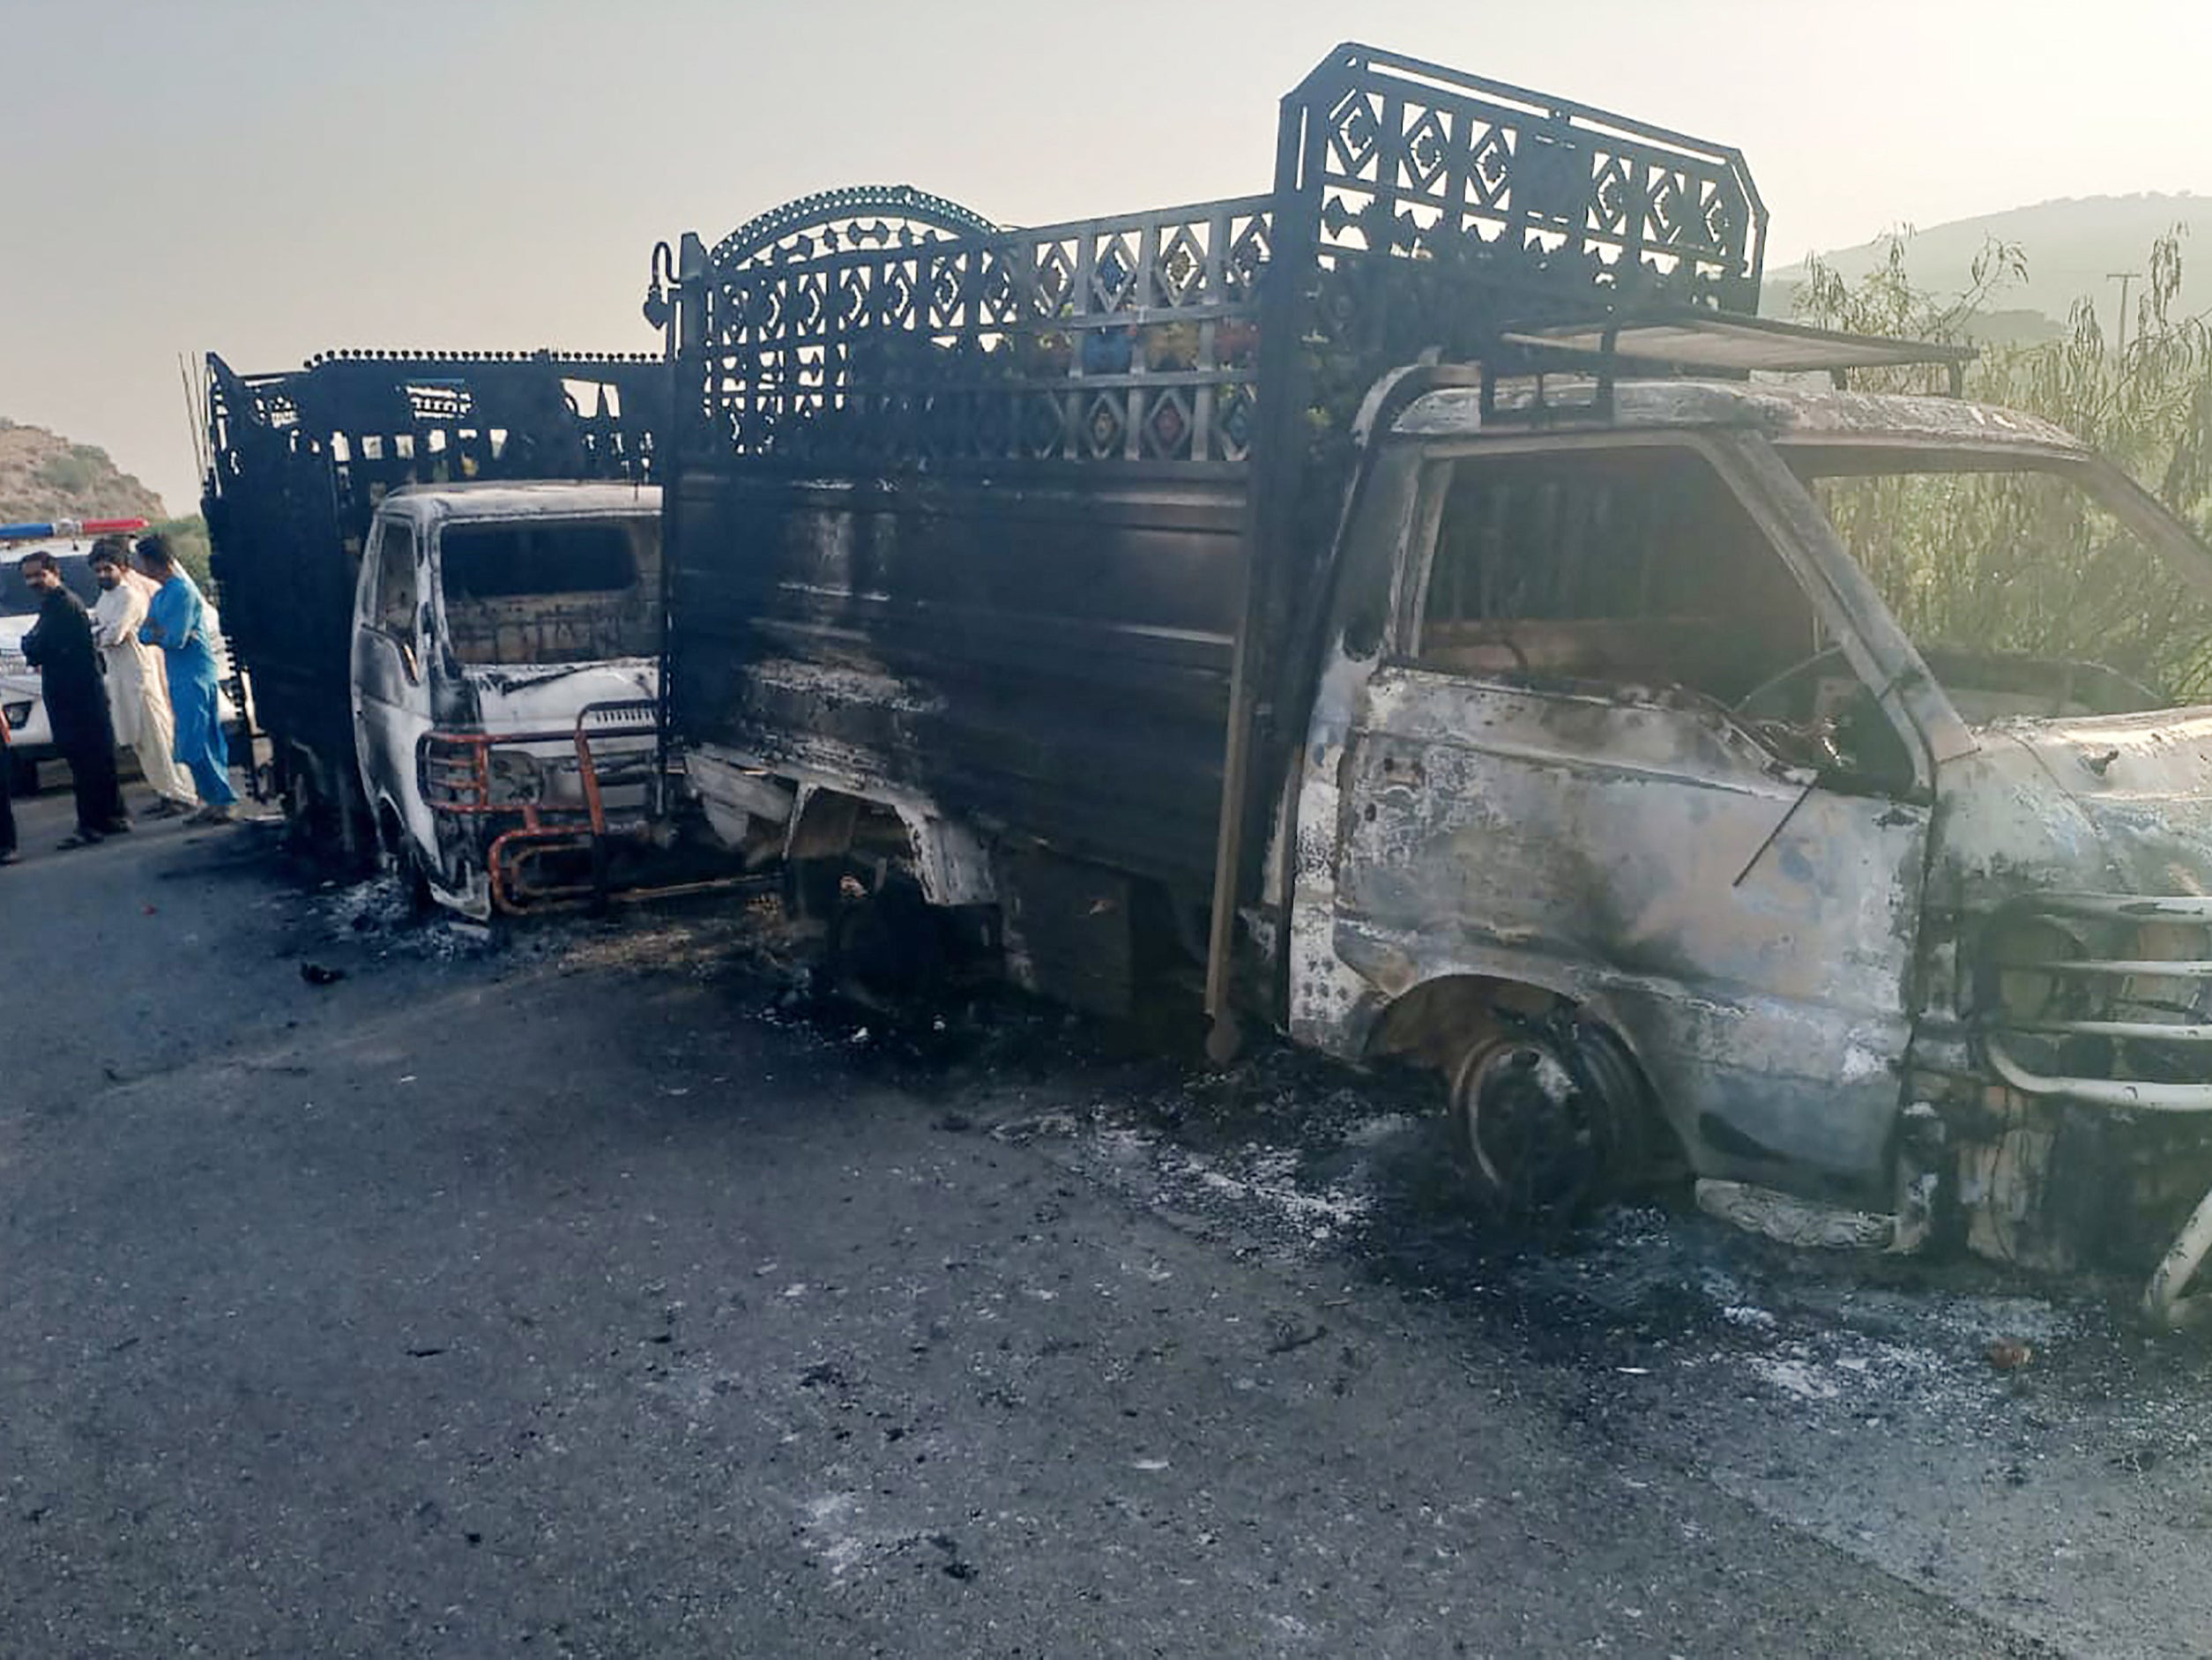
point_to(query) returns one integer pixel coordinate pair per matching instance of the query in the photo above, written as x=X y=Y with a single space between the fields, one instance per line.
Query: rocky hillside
x=43 y=475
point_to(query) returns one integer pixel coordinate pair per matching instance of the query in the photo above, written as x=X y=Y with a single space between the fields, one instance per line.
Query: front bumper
x=2103 y=1002
x=2109 y=1004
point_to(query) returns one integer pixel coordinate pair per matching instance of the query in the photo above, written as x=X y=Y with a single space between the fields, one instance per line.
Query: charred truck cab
x=443 y=576
x=1154 y=589
x=506 y=680
x=1897 y=942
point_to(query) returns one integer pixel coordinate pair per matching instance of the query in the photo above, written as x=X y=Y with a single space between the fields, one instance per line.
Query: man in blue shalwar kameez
x=176 y=621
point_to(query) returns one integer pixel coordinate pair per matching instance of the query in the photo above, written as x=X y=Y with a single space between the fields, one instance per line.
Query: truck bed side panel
x=1052 y=658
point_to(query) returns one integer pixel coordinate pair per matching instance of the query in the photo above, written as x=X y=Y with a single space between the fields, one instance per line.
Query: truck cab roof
x=1785 y=415
x=547 y=498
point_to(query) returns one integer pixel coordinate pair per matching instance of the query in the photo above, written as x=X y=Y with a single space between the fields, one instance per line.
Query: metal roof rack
x=1692 y=341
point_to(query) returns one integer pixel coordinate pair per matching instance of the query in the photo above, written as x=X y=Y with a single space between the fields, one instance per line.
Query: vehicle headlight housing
x=17 y=713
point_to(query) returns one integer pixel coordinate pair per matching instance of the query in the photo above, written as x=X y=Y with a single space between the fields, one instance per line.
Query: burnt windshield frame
x=2165 y=533
x=2171 y=542
x=1843 y=600
x=467 y=575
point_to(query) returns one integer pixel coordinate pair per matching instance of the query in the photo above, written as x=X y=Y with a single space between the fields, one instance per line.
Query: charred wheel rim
x=1548 y=1116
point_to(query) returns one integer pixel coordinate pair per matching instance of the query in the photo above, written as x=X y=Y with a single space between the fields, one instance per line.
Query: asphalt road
x=577 y=1297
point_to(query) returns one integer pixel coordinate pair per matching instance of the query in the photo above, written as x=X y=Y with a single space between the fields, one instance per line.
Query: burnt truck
x=1393 y=600
x=441 y=576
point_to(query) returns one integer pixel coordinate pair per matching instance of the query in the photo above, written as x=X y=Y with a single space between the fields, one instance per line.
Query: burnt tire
x=1552 y=1118
x=405 y=861
x=813 y=893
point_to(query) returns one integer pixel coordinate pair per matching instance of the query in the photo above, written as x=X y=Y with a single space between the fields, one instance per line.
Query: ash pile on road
x=1349 y=1176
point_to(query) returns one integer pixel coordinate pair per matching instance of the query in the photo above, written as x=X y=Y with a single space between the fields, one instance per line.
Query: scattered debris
x=1290 y=1334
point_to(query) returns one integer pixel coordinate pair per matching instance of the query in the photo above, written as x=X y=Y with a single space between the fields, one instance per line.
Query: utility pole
x=2124 y=279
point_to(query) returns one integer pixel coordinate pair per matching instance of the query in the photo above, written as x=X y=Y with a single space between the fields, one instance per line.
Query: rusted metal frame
x=588 y=772
x=504 y=858
x=626 y=710
x=507 y=890
x=1295 y=231
x=537 y=839
x=454 y=771
x=588 y=779
x=477 y=747
x=503 y=861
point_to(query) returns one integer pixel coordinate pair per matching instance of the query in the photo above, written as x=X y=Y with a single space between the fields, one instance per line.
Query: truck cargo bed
x=1051 y=660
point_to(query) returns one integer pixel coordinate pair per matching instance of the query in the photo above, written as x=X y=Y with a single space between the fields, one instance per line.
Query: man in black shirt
x=60 y=646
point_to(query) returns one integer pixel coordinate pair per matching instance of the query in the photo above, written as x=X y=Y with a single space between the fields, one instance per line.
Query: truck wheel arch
x=1455 y=1025
x=949 y=861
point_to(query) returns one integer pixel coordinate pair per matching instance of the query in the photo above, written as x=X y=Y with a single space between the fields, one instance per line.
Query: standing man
x=60 y=647
x=176 y=621
x=138 y=682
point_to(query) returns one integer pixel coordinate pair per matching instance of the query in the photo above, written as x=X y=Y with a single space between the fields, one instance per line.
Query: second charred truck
x=443 y=577
x=1159 y=593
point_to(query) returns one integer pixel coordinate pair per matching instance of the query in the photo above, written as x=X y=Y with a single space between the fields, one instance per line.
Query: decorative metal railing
x=1414 y=207
x=871 y=333
x=1407 y=159
x=396 y=417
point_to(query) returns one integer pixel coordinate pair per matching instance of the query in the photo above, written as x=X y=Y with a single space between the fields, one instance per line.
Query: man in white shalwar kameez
x=137 y=685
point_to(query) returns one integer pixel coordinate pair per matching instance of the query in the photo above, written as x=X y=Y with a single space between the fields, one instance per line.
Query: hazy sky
x=268 y=180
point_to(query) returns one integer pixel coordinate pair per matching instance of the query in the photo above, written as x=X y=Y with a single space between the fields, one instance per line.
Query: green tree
x=188 y=539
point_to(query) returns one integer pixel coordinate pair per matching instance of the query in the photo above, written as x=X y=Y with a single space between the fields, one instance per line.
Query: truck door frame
x=1348 y=966
x=391 y=688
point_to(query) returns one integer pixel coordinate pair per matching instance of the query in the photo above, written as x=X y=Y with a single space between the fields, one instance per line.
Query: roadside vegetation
x=2010 y=563
x=189 y=537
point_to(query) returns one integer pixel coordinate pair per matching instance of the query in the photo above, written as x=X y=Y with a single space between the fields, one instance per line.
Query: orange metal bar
x=544 y=829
